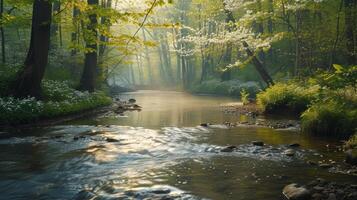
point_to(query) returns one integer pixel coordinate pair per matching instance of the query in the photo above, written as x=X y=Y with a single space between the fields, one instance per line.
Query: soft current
x=160 y=153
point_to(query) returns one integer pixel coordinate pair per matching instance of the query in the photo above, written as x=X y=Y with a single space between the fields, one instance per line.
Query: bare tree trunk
x=259 y=66
x=28 y=81
x=3 y=52
x=75 y=38
x=88 y=79
x=147 y=56
x=350 y=26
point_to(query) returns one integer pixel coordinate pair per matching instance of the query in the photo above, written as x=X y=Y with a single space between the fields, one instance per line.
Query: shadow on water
x=159 y=153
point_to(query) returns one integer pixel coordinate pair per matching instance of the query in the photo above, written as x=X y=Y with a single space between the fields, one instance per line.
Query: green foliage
x=283 y=97
x=7 y=74
x=341 y=77
x=244 y=96
x=60 y=100
x=329 y=118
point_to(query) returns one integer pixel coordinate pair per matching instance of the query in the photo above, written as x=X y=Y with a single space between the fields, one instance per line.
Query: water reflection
x=159 y=153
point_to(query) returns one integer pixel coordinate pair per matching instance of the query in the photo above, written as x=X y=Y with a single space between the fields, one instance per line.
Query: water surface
x=160 y=152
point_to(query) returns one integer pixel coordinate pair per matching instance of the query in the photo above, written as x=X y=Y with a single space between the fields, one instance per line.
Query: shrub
x=286 y=97
x=227 y=88
x=334 y=113
x=329 y=118
x=19 y=110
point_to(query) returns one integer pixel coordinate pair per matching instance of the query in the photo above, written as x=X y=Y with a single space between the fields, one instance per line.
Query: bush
x=286 y=97
x=60 y=100
x=227 y=88
x=331 y=118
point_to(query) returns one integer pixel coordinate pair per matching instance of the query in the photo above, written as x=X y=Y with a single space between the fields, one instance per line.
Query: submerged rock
x=289 y=152
x=258 y=143
x=351 y=157
x=295 y=192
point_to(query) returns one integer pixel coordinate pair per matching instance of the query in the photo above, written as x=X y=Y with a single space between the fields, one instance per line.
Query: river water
x=160 y=153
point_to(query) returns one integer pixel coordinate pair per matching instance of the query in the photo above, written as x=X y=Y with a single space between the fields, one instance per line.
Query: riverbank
x=60 y=103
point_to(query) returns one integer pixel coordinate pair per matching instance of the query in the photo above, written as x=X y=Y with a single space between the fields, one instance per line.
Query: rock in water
x=228 y=149
x=351 y=157
x=111 y=140
x=132 y=100
x=295 y=145
x=289 y=152
x=205 y=124
x=258 y=143
x=295 y=192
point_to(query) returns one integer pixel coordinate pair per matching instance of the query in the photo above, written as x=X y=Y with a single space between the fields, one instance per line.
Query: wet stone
x=294 y=145
x=111 y=140
x=258 y=143
x=289 y=152
x=229 y=149
x=295 y=192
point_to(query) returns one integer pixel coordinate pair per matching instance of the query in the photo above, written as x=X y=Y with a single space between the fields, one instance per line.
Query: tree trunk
x=148 y=61
x=3 y=52
x=75 y=38
x=55 y=26
x=258 y=65
x=350 y=26
x=88 y=80
x=28 y=81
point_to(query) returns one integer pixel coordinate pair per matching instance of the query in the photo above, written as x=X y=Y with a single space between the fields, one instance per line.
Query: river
x=160 y=153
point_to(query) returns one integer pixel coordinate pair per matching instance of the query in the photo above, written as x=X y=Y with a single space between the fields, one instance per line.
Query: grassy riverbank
x=59 y=99
x=326 y=103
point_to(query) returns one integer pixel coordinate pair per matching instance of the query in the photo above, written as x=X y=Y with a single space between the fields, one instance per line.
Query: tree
x=3 y=53
x=28 y=81
x=88 y=79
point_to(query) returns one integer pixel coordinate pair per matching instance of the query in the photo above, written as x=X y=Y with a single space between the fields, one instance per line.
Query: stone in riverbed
x=258 y=143
x=325 y=165
x=351 y=157
x=289 y=152
x=205 y=124
x=132 y=101
x=295 y=192
x=294 y=145
x=228 y=149
x=111 y=140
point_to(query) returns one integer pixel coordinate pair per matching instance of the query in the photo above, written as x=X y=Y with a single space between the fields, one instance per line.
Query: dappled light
x=178 y=99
